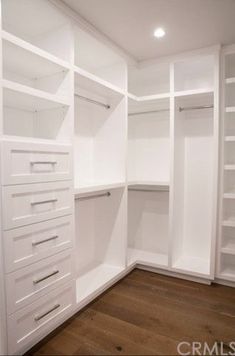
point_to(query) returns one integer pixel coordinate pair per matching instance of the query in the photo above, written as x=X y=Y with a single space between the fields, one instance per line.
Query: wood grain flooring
x=146 y=314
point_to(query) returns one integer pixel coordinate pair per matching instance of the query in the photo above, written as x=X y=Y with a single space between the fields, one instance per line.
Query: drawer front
x=31 y=282
x=30 y=324
x=32 y=203
x=31 y=163
x=29 y=244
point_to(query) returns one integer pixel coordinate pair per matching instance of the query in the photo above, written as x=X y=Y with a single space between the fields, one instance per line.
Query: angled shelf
x=97 y=188
x=25 y=98
x=136 y=256
x=148 y=186
x=29 y=59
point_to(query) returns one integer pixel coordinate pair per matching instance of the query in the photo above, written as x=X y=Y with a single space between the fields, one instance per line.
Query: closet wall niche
x=148 y=166
x=100 y=135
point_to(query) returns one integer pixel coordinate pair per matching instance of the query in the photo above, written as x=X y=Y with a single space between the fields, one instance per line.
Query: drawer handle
x=44 y=201
x=35 y=243
x=39 y=317
x=43 y=162
x=36 y=281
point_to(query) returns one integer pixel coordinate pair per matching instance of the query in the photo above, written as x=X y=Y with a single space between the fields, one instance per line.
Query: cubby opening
x=228 y=266
x=230 y=66
x=228 y=241
x=148 y=227
x=27 y=68
x=193 y=185
x=229 y=124
x=43 y=26
x=101 y=243
x=100 y=136
x=229 y=182
x=149 y=142
x=99 y=59
x=230 y=151
x=149 y=80
x=194 y=73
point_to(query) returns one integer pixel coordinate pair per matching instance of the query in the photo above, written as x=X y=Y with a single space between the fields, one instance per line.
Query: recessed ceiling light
x=159 y=32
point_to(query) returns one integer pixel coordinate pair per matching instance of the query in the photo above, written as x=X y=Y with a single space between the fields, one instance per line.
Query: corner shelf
x=38 y=60
x=96 y=280
x=26 y=98
x=96 y=85
x=150 y=259
x=149 y=186
x=97 y=188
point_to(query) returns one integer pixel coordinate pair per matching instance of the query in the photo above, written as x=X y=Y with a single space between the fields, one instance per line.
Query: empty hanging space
x=148 y=182
x=193 y=184
x=194 y=75
x=147 y=80
x=100 y=241
x=38 y=23
x=94 y=57
x=100 y=135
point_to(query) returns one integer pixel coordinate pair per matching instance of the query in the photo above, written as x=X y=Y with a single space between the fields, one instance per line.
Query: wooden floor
x=147 y=314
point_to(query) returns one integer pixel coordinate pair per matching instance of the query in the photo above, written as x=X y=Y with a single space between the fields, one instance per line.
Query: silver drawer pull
x=39 y=317
x=35 y=243
x=36 y=281
x=43 y=162
x=44 y=201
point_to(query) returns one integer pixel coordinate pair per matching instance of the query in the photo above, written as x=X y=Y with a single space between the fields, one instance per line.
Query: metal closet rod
x=106 y=106
x=107 y=194
x=180 y=109
x=195 y=107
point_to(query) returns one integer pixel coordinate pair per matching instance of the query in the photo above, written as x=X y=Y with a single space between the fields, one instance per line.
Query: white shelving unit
x=225 y=246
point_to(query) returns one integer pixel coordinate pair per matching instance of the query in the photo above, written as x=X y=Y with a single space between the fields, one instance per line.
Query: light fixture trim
x=159 y=32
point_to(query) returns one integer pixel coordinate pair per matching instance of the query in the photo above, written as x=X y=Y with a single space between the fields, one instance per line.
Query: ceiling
x=189 y=24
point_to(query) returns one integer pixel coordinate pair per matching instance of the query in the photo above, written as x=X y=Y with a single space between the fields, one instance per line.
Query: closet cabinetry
x=36 y=171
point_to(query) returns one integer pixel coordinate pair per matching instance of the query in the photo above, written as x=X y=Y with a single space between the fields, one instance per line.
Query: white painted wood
x=32 y=203
x=23 y=329
x=148 y=185
x=29 y=244
x=31 y=162
x=97 y=188
x=31 y=282
x=146 y=258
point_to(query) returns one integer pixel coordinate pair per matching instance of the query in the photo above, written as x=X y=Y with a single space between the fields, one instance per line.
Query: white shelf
x=92 y=83
x=96 y=280
x=229 y=250
x=97 y=188
x=194 y=92
x=230 y=109
x=229 y=139
x=229 y=222
x=22 y=97
x=229 y=195
x=29 y=60
x=230 y=80
x=146 y=258
x=194 y=265
x=149 y=185
x=228 y=273
x=229 y=167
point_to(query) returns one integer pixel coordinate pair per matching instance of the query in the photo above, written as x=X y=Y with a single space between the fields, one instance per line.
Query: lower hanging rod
x=147 y=112
x=106 y=106
x=196 y=107
x=107 y=194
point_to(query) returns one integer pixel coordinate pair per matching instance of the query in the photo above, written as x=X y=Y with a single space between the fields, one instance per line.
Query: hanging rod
x=107 y=194
x=147 y=112
x=92 y=101
x=195 y=107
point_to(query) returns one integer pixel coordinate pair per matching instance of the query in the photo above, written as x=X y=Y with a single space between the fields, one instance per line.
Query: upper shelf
x=29 y=59
x=148 y=186
x=96 y=85
x=25 y=98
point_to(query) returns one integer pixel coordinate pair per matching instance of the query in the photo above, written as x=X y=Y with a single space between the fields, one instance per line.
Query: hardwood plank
x=146 y=314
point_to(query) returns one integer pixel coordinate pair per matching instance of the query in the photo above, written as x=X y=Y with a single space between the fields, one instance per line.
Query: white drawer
x=30 y=324
x=31 y=282
x=32 y=162
x=29 y=244
x=32 y=203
